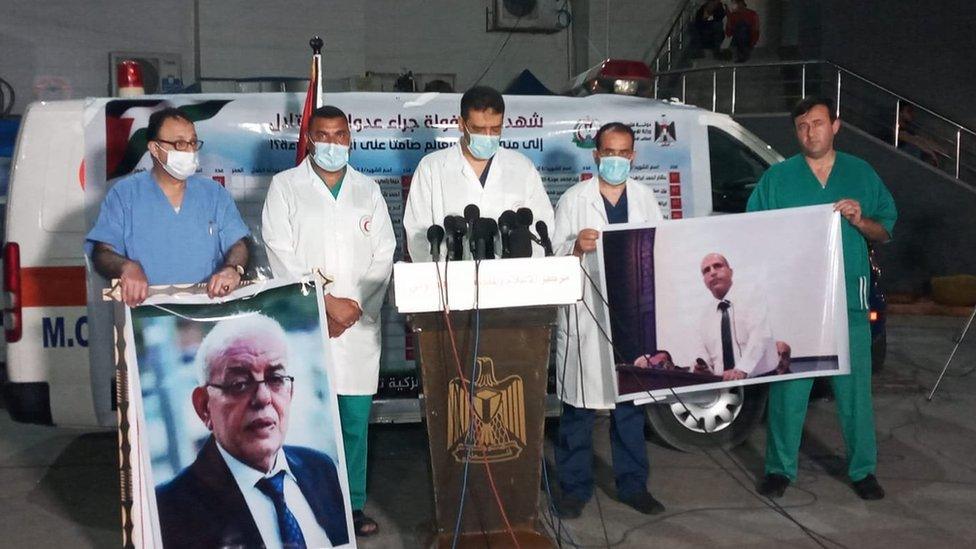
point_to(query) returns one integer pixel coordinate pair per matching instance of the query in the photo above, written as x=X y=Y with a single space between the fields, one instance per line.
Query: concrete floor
x=60 y=487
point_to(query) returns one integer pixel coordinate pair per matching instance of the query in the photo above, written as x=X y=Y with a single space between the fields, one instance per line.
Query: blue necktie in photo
x=274 y=488
x=728 y=357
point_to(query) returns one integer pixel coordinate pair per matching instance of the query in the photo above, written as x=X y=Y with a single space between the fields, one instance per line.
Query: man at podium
x=475 y=171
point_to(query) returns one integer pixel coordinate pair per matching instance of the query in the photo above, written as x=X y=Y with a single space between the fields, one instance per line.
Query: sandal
x=364 y=525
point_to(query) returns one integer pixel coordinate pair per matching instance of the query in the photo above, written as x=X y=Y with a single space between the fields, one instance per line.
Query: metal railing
x=775 y=87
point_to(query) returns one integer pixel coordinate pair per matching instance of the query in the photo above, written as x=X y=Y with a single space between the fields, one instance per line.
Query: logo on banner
x=664 y=132
x=364 y=223
x=584 y=132
x=495 y=415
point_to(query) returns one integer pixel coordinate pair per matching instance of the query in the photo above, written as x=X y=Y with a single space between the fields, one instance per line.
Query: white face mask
x=181 y=164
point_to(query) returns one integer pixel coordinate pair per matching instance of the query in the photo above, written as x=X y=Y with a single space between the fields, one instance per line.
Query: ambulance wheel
x=724 y=420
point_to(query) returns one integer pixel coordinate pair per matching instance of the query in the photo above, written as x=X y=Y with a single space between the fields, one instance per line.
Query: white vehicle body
x=57 y=374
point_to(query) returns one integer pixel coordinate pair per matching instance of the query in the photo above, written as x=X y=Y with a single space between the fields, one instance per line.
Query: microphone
x=520 y=242
x=543 y=230
x=456 y=228
x=488 y=228
x=506 y=223
x=524 y=217
x=435 y=235
x=471 y=214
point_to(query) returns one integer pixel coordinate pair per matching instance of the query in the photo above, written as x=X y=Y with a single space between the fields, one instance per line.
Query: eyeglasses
x=276 y=384
x=182 y=145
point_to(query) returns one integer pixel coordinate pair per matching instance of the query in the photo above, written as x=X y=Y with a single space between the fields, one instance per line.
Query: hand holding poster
x=713 y=302
x=232 y=422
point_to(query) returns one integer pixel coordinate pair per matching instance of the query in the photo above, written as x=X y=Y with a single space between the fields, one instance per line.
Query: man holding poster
x=822 y=175
x=584 y=378
x=323 y=215
x=169 y=225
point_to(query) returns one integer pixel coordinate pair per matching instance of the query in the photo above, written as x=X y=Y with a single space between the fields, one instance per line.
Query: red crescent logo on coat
x=364 y=223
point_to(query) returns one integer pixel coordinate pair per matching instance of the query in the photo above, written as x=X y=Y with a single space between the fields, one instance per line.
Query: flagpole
x=317 y=44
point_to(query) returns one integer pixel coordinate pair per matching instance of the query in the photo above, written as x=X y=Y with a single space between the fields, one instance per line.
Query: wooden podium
x=493 y=428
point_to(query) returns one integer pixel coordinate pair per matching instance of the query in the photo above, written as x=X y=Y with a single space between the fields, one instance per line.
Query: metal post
x=897 y=120
x=714 y=90
x=683 y=81
x=952 y=354
x=656 y=78
x=733 y=91
x=803 y=80
x=669 y=52
x=837 y=114
x=958 y=143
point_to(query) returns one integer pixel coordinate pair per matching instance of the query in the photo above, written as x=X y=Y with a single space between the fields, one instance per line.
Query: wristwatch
x=238 y=268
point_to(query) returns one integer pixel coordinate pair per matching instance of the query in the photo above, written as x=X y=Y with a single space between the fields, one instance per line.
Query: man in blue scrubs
x=169 y=225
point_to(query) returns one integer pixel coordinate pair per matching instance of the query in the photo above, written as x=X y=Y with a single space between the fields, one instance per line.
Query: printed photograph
x=240 y=424
x=722 y=301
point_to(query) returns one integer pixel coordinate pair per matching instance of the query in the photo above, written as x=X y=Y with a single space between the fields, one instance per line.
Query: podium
x=497 y=332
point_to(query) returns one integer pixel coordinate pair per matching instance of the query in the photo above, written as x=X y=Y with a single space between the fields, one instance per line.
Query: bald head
x=716 y=274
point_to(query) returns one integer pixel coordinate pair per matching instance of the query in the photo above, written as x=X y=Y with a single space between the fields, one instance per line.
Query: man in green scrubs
x=821 y=175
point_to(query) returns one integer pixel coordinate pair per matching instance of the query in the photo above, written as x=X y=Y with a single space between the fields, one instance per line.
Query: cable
x=499 y=52
x=6 y=105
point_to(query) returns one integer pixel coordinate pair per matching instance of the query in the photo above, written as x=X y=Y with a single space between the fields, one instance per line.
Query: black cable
x=499 y=52
x=6 y=105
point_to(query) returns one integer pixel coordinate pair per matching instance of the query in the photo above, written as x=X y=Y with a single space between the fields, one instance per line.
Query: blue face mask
x=614 y=169
x=331 y=157
x=482 y=146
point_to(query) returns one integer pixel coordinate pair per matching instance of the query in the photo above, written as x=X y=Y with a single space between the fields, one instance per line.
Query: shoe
x=569 y=507
x=364 y=525
x=773 y=485
x=644 y=503
x=868 y=488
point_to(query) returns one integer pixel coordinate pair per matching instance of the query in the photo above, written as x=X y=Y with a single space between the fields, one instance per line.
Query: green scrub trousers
x=354 y=417
x=788 y=408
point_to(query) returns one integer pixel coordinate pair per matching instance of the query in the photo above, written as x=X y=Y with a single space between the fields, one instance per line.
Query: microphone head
x=521 y=243
x=488 y=226
x=507 y=221
x=435 y=234
x=471 y=213
x=524 y=216
x=542 y=229
x=455 y=225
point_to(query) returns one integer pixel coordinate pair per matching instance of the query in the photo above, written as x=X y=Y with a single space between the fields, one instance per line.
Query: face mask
x=482 y=146
x=614 y=169
x=181 y=164
x=331 y=157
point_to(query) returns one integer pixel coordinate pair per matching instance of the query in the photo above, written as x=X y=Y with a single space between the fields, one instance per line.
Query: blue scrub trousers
x=574 y=451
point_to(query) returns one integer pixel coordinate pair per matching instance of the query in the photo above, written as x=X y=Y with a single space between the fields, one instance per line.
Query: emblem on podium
x=496 y=410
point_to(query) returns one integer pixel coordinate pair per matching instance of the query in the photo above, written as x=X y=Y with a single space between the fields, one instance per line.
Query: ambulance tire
x=676 y=425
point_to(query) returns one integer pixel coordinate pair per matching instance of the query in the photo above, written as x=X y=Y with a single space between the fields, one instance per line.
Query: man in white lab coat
x=323 y=215
x=585 y=369
x=476 y=171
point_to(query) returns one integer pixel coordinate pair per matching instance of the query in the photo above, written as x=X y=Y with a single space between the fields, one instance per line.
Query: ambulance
x=59 y=361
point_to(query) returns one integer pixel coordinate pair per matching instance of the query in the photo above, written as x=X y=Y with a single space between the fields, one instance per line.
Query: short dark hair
x=481 y=98
x=806 y=104
x=613 y=127
x=157 y=118
x=327 y=111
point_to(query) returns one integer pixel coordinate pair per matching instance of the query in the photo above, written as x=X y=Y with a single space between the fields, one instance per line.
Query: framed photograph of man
x=728 y=300
x=234 y=432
